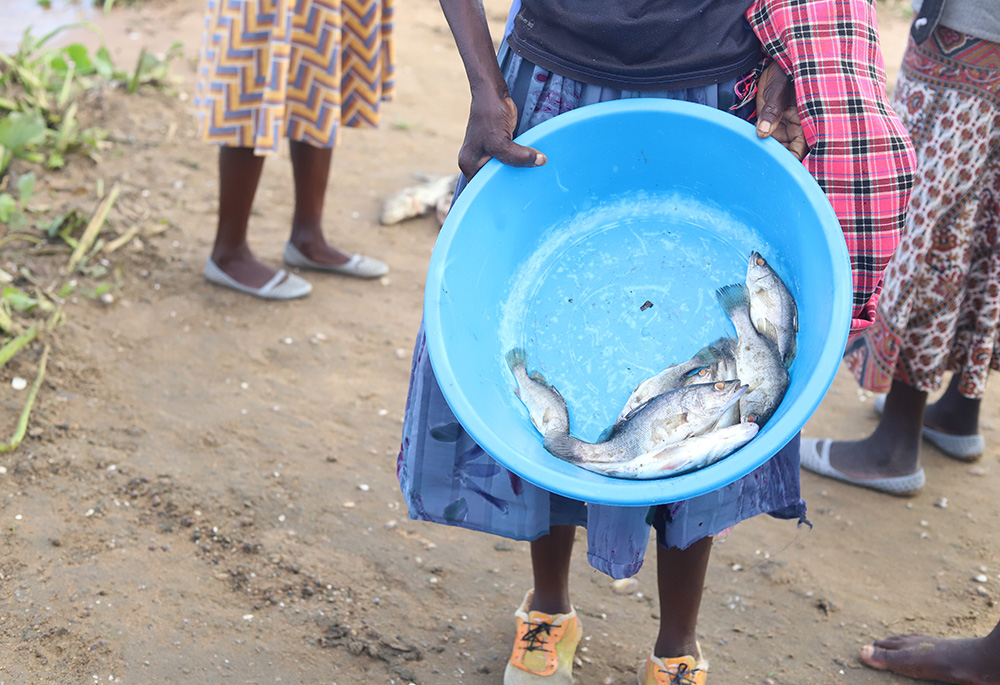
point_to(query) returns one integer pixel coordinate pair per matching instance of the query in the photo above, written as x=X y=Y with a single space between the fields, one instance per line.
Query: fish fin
x=720 y=350
x=769 y=331
x=537 y=376
x=517 y=357
x=635 y=410
x=562 y=445
x=733 y=297
x=608 y=432
x=790 y=353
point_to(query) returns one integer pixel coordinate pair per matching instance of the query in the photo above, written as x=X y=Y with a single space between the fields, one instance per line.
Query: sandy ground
x=208 y=493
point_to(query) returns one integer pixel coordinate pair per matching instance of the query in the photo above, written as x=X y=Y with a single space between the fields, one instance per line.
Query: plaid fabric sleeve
x=860 y=153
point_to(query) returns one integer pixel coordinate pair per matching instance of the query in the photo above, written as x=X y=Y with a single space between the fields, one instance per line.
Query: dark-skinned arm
x=492 y=115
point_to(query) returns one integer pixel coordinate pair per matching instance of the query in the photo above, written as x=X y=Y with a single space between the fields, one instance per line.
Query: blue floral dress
x=447 y=478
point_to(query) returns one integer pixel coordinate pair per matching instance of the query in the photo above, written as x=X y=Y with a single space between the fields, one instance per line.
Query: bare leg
x=974 y=661
x=550 y=558
x=239 y=174
x=894 y=448
x=954 y=413
x=681 y=579
x=311 y=169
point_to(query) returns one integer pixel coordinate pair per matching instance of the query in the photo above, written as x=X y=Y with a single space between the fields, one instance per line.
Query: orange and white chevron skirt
x=299 y=69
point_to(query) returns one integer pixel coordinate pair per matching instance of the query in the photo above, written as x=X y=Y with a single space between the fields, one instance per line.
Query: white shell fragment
x=18 y=383
x=625 y=586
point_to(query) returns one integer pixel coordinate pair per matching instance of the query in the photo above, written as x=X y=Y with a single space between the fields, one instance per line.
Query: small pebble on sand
x=18 y=383
x=981 y=578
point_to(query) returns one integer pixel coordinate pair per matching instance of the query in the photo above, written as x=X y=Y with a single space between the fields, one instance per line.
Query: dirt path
x=210 y=493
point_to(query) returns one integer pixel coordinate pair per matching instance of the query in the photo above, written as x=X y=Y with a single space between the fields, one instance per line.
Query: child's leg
x=550 y=558
x=680 y=578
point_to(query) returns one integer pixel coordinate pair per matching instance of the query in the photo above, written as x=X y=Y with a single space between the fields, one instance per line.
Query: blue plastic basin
x=602 y=265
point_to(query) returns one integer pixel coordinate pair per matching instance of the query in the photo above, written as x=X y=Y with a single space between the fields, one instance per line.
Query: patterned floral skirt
x=940 y=306
x=299 y=69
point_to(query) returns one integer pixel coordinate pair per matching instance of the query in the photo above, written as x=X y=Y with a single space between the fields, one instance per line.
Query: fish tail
x=713 y=353
x=733 y=298
x=517 y=357
x=564 y=446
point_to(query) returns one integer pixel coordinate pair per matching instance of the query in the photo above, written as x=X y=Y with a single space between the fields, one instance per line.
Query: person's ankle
x=671 y=648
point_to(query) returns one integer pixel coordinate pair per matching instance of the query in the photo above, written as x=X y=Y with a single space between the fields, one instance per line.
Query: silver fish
x=723 y=351
x=694 y=453
x=758 y=362
x=665 y=420
x=772 y=307
x=545 y=405
x=715 y=362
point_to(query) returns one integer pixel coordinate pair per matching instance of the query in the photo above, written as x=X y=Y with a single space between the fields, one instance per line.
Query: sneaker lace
x=535 y=638
x=683 y=675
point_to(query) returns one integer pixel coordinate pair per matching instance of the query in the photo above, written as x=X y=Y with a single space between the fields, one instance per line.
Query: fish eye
x=703 y=372
x=720 y=386
x=761 y=261
x=751 y=418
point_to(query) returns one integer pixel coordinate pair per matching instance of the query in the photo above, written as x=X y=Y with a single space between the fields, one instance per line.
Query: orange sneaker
x=681 y=670
x=544 y=647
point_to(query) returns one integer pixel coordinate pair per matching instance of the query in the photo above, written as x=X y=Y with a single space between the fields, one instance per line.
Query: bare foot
x=245 y=268
x=960 y=661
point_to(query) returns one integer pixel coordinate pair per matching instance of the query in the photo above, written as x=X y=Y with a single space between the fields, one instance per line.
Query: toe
x=877 y=657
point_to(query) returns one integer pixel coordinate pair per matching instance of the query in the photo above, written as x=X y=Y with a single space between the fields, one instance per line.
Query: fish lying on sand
x=665 y=420
x=772 y=307
x=758 y=361
x=432 y=195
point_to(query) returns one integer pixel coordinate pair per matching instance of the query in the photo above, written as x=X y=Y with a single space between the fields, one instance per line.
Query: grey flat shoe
x=814 y=454
x=278 y=288
x=967 y=448
x=358 y=265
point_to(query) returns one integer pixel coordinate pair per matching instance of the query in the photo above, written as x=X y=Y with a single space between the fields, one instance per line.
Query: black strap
x=927 y=20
